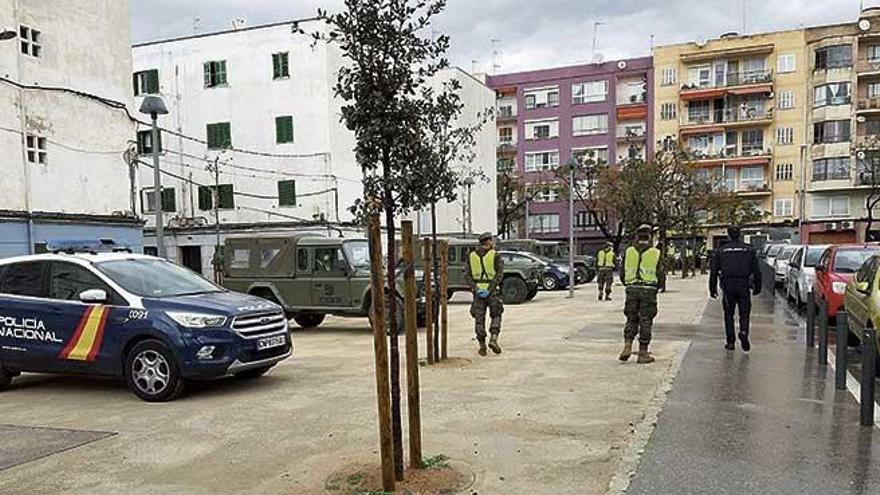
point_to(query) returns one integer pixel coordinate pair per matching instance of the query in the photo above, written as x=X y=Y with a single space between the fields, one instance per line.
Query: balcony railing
x=632 y=99
x=729 y=152
x=631 y=133
x=506 y=146
x=760 y=187
x=728 y=116
x=869 y=103
x=506 y=113
x=745 y=78
x=868 y=65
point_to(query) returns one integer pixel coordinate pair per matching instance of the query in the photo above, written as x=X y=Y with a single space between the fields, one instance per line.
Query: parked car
x=802 y=273
x=781 y=264
x=834 y=270
x=557 y=252
x=157 y=325
x=772 y=251
x=862 y=302
x=553 y=276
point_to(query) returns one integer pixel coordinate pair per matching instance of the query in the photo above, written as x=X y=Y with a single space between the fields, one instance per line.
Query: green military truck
x=584 y=265
x=310 y=277
x=520 y=283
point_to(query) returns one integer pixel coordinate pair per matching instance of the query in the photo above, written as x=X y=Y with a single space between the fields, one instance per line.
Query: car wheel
x=580 y=275
x=591 y=275
x=514 y=290
x=151 y=372
x=531 y=294
x=308 y=320
x=5 y=379
x=549 y=282
x=253 y=374
x=401 y=320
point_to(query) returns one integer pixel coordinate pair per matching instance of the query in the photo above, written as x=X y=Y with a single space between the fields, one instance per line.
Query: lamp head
x=153 y=105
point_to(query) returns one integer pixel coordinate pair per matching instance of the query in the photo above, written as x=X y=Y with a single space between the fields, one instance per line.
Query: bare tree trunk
x=394 y=346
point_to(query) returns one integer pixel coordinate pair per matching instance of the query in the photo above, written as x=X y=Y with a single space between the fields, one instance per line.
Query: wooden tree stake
x=413 y=399
x=444 y=298
x=429 y=300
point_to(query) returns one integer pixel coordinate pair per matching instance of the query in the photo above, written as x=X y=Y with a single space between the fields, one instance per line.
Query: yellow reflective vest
x=605 y=258
x=483 y=268
x=641 y=268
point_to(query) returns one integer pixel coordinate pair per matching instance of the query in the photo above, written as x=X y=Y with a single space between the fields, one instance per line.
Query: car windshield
x=358 y=253
x=152 y=277
x=786 y=254
x=850 y=260
x=774 y=250
x=813 y=255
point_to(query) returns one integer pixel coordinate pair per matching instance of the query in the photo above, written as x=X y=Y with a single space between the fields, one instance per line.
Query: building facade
x=255 y=142
x=739 y=104
x=546 y=118
x=65 y=160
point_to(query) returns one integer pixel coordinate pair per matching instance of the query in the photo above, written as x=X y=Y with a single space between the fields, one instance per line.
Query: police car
x=91 y=308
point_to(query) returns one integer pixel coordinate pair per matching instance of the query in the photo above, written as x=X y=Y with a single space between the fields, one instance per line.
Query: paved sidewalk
x=769 y=422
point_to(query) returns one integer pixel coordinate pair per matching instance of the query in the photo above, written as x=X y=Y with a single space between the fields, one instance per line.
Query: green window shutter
x=226 y=135
x=284 y=129
x=206 y=202
x=207 y=66
x=134 y=84
x=211 y=132
x=153 y=81
x=221 y=72
x=169 y=200
x=286 y=193
x=219 y=135
x=226 y=196
x=280 y=65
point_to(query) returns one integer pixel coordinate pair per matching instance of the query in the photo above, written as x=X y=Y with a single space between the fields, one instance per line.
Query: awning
x=702 y=94
x=703 y=129
x=631 y=112
x=698 y=56
x=750 y=90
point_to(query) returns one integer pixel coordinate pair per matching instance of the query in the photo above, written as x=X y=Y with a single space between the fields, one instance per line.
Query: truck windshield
x=147 y=277
x=358 y=253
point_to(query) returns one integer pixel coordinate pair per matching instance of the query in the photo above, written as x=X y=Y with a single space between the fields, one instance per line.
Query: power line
x=66 y=146
x=283 y=173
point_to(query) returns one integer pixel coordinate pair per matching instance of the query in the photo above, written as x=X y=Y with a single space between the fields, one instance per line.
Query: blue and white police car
x=89 y=308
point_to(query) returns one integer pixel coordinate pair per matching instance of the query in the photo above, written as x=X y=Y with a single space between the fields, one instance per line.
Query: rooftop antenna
x=197 y=24
x=652 y=45
x=593 y=55
x=497 y=54
x=475 y=66
x=744 y=17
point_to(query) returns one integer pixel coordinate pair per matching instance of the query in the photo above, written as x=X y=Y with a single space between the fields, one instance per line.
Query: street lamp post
x=572 y=164
x=7 y=35
x=469 y=183
x=154 y=106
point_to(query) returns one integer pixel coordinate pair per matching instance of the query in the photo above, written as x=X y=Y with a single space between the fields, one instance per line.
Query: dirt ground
x=553 y=414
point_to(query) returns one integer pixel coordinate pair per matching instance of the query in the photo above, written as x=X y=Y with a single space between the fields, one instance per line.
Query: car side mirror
x=863 y=287
x=93 y=296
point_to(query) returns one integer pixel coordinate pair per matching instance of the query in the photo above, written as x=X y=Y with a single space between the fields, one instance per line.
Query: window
x=598 y=155
x=752 y=142
x=226 y=197
x=872 y=127
x=302 y=260
x=783 y=207
x=543 y=160
x=24 y=279
x=784 y=135
x=542 y=129
x=505 y=135
x=31 y=41
x=67 y=281
x=544 y=223
x=786 y=100
x=146 y=82
x=698 y=111
x=873 y=53
x=280 y=66
x=241 y=258
x=668 y=111
x=832 y=131
x=215 y=74
x=148 y=200
x=329 y=260
x=583 y=220
x=784 y=171
x=505 y=165
x=831 y=168
x=830 y=206
x=700 y=75
x=542 y=97
x=219 y=135
x=284 y=129
x=668 y=76
x=589 y=92
x=286 y=193
x=729 y=179
x=544 y=193
x=36 y=149
x=873 y=90
x=833 y=57
x=838 y=93
x=752 y=178
x=585 y=125
x=785 y=63
x=451 y=255
x=145 y=142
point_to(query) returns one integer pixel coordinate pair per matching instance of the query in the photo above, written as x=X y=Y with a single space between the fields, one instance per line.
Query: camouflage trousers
x=606 y=280
x=640 y=309
x=479 y=307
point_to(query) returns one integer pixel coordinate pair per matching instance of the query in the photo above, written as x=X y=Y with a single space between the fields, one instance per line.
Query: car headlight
x=197 y=320
x=838 y=287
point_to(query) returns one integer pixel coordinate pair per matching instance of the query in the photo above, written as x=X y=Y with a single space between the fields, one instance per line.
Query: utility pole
x=527 y=216
x=595 y=41
x=155 y=106
x=215 y=197
x=469 y=183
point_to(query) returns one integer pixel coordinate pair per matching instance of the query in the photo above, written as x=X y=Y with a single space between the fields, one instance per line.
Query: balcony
x=740 y=83
x=754 y=189
x=631 y=134
x=506 y=147
x=868 y=105
x=727 y=117
x=868 y=66
x=750 y=154
x=867 y=142
x=506 y=114
x=632 y=98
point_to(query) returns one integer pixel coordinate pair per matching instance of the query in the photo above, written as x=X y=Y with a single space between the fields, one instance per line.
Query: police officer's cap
x=645 y=228
x=486 y=236
x=734 y=232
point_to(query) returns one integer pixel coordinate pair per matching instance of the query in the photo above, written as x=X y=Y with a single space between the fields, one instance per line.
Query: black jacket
x=736 y=264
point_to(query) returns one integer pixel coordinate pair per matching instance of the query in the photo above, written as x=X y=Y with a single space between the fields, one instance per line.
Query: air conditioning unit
x=845 y=225
x=830 y=226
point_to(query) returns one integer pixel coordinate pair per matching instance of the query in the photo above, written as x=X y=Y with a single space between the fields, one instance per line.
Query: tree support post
x=429 y=300
x=444 y=299
x=413 y=399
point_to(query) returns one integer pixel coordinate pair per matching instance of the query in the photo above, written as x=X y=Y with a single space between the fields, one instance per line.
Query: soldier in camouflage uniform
x=486 y=270
x=640 y=274
x=605 y=263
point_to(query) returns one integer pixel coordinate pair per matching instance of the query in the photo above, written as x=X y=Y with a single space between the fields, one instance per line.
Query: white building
x=63 y=156
x=266 y=91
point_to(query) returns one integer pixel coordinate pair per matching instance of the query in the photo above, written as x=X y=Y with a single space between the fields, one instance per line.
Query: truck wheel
x=549 y=282
x=308 y=320
x=531 y=294
x=580 y=275
x=151 y=372
x=5 y=379
x=401 y=321
x=514 y=290
x=253 y=374
x=591 y=275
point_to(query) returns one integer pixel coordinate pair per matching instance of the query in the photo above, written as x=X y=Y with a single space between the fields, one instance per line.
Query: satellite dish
x=860 y=155
x=621 y=65
x=598 y=58
x=700 y=43
x=860 y=119
x=864 y=24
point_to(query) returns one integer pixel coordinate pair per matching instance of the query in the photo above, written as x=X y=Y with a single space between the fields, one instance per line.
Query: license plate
x=270 y=342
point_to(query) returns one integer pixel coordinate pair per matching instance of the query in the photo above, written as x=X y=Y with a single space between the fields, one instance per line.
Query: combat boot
x=482 y=350
x=600 y=296
x=645 y=357
x=608 y=297
x=493 y=344
x=627 y=350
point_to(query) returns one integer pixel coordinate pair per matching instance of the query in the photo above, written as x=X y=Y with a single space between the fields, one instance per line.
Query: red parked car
x=835 y=269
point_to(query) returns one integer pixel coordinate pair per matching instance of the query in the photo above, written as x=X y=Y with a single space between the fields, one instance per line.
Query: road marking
x=854 y=387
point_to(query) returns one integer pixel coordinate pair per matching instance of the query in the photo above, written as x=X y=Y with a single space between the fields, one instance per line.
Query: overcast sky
x=532 y=33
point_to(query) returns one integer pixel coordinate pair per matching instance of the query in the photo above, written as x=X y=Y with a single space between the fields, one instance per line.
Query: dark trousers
x=736 y=297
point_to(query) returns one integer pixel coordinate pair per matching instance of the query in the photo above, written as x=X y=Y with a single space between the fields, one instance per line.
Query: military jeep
x=584 y=265
x=520 y=283
x=310 y=277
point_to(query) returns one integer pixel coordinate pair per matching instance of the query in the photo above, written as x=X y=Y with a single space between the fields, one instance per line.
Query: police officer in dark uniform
x=737 y=265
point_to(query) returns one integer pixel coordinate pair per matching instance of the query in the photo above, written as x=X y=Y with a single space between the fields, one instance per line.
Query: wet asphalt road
x=767 y=422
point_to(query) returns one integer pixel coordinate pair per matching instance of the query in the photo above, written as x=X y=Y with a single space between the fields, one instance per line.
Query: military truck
x=309 y=276
x=521 y=276
x=584 y=265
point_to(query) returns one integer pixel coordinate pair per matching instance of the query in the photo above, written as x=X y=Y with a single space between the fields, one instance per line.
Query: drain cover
x=21 y=444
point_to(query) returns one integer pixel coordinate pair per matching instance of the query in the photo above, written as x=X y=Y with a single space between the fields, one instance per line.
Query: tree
x=868 y=173
x=390 y=57
x=512 y=200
